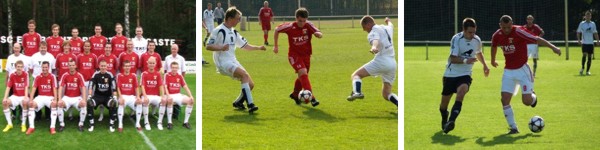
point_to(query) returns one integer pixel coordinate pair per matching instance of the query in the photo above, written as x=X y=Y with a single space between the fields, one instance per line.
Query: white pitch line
x=146 y=139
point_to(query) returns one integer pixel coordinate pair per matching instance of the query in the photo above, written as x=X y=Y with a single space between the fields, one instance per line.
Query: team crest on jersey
x=101 y=41
x=510 y=40
x=304 y=31
x=122 y=41
x=57 y=42
x=78 y=44
x=154 y=77
x=48 y=81
x=177 y=79
x=90 y=59
x=105 y=80
x=130 y=80
x=74 y=79
x=34 y=39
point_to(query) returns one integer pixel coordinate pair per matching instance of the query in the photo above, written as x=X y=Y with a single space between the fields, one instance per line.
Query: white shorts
x=384 y=67
x=86 y=83
x=210 y=27
x=532 y=50
x=518 y=77
x=228 y=68
x=177 y=98
x=154 y=100
x=43 y=101
x=71 y=101
x=129 y=101
x=15 y=101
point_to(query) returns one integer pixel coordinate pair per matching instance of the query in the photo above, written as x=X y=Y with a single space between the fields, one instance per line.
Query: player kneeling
x=18 y=82
x=128 y=93
x=45 y=85
x=152 y=93
x=102 y=89
x=74 y=95
x=174 y=82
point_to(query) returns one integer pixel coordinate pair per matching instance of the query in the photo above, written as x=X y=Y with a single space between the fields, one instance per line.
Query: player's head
x=151 y=63
x=301 y=16
x=66 y=46
x=31 y=25
x=174 y=67
x=118 y=28
x=107 y=49
x=55 y=29
x=232 y=16
x=139 y=31
x=588 y=15
x=174 y=49
x=209 y=6
x=506 y=24
x=129 y=46
x=72 y=66
x=151 y=46
x=43 y=47
x=126 y=66
x=266 y=4
x=218 y=4
x=19 y=66
x=469 y=28
x=367 y=22
x=98 y=29
x=102 y=64
x=75 y=32
x=17 y=48
x=530 y=19
x=87 y=45
x=45 y=67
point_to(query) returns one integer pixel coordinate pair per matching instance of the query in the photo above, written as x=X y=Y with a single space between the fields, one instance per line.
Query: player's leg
x=113 y=105
x=101 y=117
x=53 y=115
x=464 y=83
x=508 y=86
x=63 y=106
x=138 y=112
x=528 y=94
x=169 y=112
x=266 y=27
x=189 y=103
x=585 y=55
x=589 y=58
x=356 y=78
x=92 y=104
x=25 y=113
x=120 y=113
x=33 y=106
x=161 y=112
x=6 y=106
x=82 y=105
x=447 y=91
x=247 y=86
x=152 y=101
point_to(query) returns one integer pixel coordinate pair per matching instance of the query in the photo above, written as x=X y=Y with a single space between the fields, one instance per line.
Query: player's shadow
x=446 y=139
x=243 y=118
x=504 y=139
x=392 y=116
x=319 y=114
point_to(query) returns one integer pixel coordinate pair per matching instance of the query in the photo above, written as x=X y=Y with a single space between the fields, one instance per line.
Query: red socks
x=305 y=82
x=265 y=36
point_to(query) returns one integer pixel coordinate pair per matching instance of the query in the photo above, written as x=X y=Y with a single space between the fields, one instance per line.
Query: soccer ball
x=536 y=124
x=305 y=95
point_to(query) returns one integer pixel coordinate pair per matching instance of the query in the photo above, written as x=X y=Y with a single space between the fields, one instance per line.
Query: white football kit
x=208 y=18
x=226 y=61
x=384 y=63
x=463 y=48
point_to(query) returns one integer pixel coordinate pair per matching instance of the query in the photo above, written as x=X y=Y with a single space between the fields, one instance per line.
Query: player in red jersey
x=87 y=62
x=147 y=55
x=31 y=39
x=118 y=42
x=513 y=42
x=299 y=37
x=62 y=59
x=265 y=17
x=151 y=86
x=18 y=83
x=98 y=41
x=55 y=41
x=45 y=85
x=130 y=56
x=76 y=42
x=72 y=92
x=112 y=62
x=173 y=84
x=127 y=88
x=532 y=47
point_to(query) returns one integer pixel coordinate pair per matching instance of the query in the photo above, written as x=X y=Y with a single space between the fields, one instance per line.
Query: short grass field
x=568 y=103
x=371 y=123
x=101 y=138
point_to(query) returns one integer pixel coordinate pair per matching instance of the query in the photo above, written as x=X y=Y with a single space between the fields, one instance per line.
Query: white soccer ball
x=305 y=96
x=536 y=124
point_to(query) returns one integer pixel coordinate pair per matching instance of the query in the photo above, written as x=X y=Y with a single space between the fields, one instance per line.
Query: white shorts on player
x=15 y=101
x=522 y=77
x=86 y=83
x=532 y=51
x=154 y=100
x=210 y=27
x=227 y=67
x=129 y=101
x=71 y=101
x=178 y=98
x=384 y=67
x=43 y=101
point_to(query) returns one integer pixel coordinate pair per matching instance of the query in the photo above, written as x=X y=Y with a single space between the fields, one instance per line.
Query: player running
x=208 y=22
x=265 y=19
x=17 y=82
x=45 y=85
x=127 y=88
x=532 y=47
x=174 y=82
x=102 y=89
x=151 y=85
x=72 y=93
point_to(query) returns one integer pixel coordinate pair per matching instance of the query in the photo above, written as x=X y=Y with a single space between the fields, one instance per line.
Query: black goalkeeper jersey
x=103 y=84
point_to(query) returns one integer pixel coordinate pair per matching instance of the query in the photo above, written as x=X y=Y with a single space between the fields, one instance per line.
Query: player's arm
x=544 y=42
x=113 y=87
x=253 y=47
x=259 y=16
x=388 y=22
x=494 y=49
x=374 y=46
x=486 y=70
x=215 y=47
x=596 y=36
x=318 y=34
x=541 y=31
x=33 y=89
x=142 y=90
x=60 y=92
x=276 y=40
x=272 y=22
x=6 y=93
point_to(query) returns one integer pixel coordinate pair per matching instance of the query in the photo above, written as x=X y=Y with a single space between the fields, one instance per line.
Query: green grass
x=371 y=123
x=568 y=103
x=101 y=138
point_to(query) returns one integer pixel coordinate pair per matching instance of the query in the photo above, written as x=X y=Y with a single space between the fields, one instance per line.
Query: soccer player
x=151 y=85
x=130 y=56
x=208 y=22
x=513 y=42
x=62 y=59
x=174 y=57
x=265 y=17
x=465 y=50
x=87 y=63
x=223 y=41
x=146 y=56
x=98 y=41
x=219 y=13
x=532 y=47
x=118 y=42
x=45 y=85
x=112 y=62
x=72 y=92
x=174 y=82
x=102 y=89
x=18 y=82
x=76 y=42
x=586 y=29
x=127 y=88
x=16 y=56
x=299 y=37
x=140 y=44
x=31 y=39
x=55 y=41
x=40 y=57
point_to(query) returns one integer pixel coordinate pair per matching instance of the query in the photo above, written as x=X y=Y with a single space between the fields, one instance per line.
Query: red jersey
x=72 y=83
x=151 y=82
x=31 y=43
x=514 y=46
x=98 y=43
x=45 y=84
x=144 y=60
x=533 y=30
x=18 y=83
x=54 y=45
x=76 y=46
x=62 y=62
x=174 y=82
x=127 y=83
x=112 y=63
x=265 y=14
x=134 y=61
x=86 y=65
x=118 y=44
x=298 y=38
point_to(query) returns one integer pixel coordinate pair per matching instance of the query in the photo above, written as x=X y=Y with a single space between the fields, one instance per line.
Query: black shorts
x=101 y=100
x=452 y=83
x=587 y=48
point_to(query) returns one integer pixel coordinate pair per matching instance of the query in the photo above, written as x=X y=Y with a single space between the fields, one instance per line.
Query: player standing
x=151 y=86
x=76 y=42
x=72 y=93
x=17 y=82
x=13 y=58
x=87 y=63
x=265 y=17
x=174 y=82
x=45 y=85
x=130 y=56
x=299 y=38
x=223 y=41
x=532 y=47
x=55 y=41
x=62 y=59
x=102 y=89
x=112 y=62
x=465 y=50
x=174 y=57
x=118 y=42
x=39 y=57
x=140 y=44
x=31 y=39
x=146 y=56
x=127 y=88
x=208 y=21
x=98 y=41
x=219 y=13
x=586 y=29
x=513 y=42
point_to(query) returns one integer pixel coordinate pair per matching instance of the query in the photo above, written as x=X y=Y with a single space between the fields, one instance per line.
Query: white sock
x=31 y=117
x=82 y=115
x=24 y=115
x=8 y=116
x=510 y=117
x=534 y=97
x=188 y=112
x=161 y=114
x=248 y=92
x=145 y=113
x=355 y=84
x=53 y=112
x=120 y=111
x=61 y=116
x=169 y=113
x=138 y=114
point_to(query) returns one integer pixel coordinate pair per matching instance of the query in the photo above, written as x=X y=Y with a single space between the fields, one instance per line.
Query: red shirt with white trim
x=151 y=82
x=134 y=61
x=174 y=82
x=513 y=45
x=18 y=83
x=98 y=44
x=31 y=43
x=127 y=83
x=298 y=38
x=76 y=46
x=54 y=45
x=87 y=64
x=144 y=62
x=119 y=44
x=44 y=84
x=62 y=62
x=72 y=84
x=112 y=63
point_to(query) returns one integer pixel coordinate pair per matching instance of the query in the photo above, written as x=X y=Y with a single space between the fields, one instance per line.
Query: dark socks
x=455 y=111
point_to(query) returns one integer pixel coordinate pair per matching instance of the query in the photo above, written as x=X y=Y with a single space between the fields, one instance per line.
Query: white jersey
x=140 y=46
x=226 y=36
x=587 y=29
x=208 y=17
x=179 y=59
x=462 y=48
x=384 y=34
x=36 y=63
x=12 y=59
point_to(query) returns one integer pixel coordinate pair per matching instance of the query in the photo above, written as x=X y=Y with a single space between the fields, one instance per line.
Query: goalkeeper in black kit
x=102 y=89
